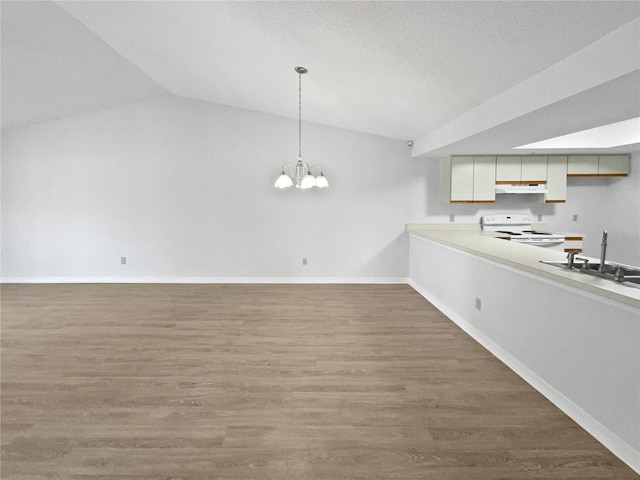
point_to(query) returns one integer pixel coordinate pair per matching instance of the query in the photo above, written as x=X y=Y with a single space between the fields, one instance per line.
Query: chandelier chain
x=299 y=115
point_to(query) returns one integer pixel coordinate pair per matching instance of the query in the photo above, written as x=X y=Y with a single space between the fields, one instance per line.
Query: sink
x=612 y=271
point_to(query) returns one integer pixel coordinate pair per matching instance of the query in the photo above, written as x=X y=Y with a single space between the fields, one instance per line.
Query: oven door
x=555 y=243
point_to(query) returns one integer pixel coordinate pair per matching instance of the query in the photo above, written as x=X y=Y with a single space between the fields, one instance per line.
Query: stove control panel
x=506 y=220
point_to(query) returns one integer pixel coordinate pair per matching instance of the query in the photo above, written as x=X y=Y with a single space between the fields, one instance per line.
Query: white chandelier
x=302 y=176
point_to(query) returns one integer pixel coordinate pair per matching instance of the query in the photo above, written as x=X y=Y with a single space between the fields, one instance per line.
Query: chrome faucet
x=571 y=258
x=603 y=252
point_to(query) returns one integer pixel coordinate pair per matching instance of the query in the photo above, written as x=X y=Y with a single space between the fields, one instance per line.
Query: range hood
x=521 y=188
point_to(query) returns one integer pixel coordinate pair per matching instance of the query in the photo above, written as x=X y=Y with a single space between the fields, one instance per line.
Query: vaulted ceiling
x=456 y=77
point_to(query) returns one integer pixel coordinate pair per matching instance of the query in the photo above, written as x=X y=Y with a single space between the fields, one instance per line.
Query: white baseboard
x=216 y=280
x=610 y=440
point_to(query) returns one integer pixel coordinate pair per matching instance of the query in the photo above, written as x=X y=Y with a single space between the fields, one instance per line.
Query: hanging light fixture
x=303 y=176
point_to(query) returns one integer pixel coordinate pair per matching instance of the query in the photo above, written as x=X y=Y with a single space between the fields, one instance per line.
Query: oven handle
x=537 y=242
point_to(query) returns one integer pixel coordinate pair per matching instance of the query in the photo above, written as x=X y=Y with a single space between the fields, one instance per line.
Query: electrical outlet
x=575 y=217
x=304 y=260
x=123 y=260
x=478 y=304
x=452 y=218
x=539 y=217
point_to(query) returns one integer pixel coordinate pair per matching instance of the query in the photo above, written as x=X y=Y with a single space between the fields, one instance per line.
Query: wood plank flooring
x=195 y=382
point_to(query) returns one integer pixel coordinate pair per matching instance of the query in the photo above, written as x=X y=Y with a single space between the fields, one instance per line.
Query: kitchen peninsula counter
x=471 y=239
x=572 y=336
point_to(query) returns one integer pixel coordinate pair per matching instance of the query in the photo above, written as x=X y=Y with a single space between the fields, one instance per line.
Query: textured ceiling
x=398 y=69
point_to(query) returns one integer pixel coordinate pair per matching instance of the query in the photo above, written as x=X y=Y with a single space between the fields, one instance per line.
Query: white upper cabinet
x=613 y=165
x=521 y=169
x=473 y=179
x=598 y=165
x=556 y=179
x=580 y=165
x=534 y=169
x=461 y=179
x=467 y=179
x=484 y=179
x=508 y=168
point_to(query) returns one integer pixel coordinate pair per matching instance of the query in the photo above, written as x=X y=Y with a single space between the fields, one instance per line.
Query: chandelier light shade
x=302 y=177
x=284 y=180
x=321 y=181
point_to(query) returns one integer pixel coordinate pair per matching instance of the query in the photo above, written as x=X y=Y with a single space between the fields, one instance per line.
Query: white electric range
x=518 y=228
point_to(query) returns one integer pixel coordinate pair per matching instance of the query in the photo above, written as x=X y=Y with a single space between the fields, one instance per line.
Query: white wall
x=604 y=203
x=184 y=190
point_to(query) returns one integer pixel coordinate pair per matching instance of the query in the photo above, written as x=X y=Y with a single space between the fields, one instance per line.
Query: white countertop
x=470 y=238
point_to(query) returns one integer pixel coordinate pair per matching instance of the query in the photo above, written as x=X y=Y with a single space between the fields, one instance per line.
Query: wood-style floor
x=332 y=382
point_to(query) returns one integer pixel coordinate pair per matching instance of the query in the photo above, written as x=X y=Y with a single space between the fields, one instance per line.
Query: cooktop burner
x=523 y=233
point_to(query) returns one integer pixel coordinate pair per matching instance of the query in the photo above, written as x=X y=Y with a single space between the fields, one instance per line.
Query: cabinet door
x=461 y=179
x=534 y=169
x=484 y=179
x=556 y=179
x=508 y=169
x=613 y=165
x=582 y=165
